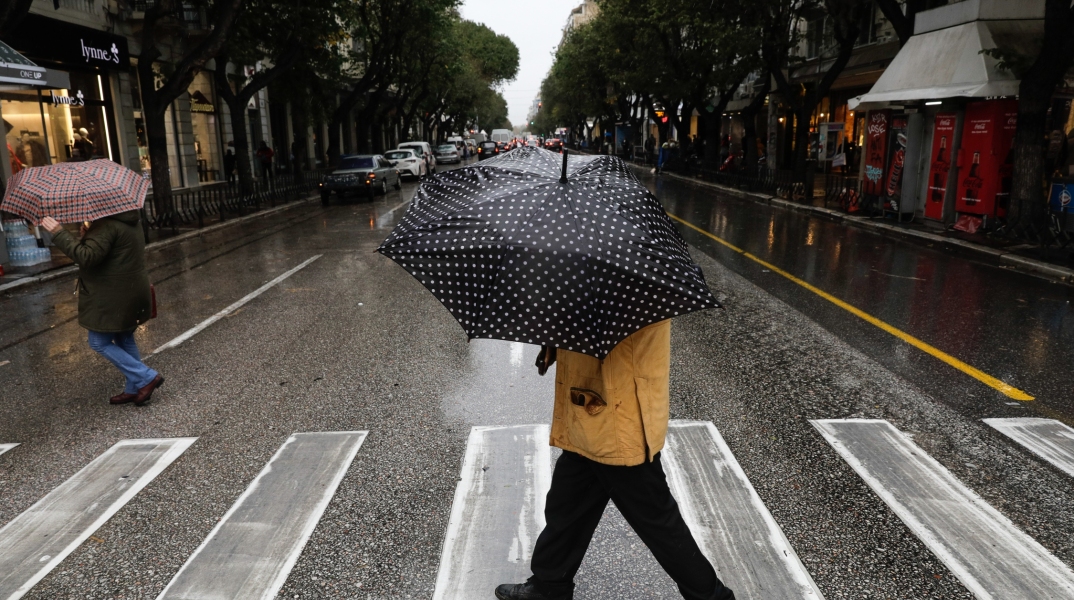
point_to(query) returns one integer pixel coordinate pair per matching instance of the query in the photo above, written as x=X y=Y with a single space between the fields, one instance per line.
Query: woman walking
x=113 y=294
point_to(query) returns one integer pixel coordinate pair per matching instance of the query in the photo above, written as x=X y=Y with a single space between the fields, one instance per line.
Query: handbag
x=153 y=301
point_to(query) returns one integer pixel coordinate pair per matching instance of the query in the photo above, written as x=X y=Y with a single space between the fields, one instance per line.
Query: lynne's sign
x=89 y=52
x=77 y=100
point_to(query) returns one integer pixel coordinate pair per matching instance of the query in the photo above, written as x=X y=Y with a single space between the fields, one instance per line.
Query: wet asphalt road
x=353 y=343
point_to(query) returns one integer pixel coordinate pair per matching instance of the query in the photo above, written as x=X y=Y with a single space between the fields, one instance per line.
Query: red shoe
x=146 y=392
x=122 y=398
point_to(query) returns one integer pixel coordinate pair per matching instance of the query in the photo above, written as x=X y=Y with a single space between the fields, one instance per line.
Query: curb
x=71 y=269
x=993 y=256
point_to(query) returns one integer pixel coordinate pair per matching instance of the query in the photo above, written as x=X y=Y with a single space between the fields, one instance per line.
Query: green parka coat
x=113 y=284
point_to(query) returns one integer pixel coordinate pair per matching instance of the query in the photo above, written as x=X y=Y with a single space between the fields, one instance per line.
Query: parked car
x=448 y=154
x=487 y=149
x=426 y=152
x=408 y=162
x=364 y=174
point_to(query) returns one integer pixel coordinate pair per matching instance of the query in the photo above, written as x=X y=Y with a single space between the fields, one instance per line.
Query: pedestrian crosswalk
x=1047 y=438
x=981 y=547
x=37 y=540
x=498 y=511
x=252 y=549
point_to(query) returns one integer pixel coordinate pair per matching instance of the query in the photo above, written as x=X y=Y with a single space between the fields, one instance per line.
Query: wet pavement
x=352 y=343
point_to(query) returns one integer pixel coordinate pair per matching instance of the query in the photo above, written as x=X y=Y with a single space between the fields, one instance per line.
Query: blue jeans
x=121 y=350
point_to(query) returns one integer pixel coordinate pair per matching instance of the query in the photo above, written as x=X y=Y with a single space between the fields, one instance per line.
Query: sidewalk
x=1012 y=257
x=61 y=266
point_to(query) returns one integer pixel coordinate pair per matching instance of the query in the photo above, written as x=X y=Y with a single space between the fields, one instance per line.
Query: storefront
x=205 y=125
x=78 y=122
x=947 y=132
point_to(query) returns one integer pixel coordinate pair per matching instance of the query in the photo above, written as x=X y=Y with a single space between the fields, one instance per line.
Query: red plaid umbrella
x=73 y=192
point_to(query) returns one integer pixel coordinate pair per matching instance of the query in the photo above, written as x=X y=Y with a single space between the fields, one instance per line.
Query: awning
x=948 y=63
x=17 y=69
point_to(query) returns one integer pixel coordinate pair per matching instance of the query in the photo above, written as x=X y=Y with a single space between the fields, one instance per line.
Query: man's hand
x=51 y=225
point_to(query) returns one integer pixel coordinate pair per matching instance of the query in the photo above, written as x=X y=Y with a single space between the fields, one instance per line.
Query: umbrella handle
x=563 y=177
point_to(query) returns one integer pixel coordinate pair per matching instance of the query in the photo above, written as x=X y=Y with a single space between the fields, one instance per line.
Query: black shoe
x=529 y=591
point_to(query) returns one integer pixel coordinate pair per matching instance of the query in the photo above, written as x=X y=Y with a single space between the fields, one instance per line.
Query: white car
x=425 y=150
x=407 y=161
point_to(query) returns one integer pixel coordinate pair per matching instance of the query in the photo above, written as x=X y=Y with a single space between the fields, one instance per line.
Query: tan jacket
x=615 y=411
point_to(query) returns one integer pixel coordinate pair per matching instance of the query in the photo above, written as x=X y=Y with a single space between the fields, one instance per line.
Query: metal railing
x=190 y=208
x=90 y=7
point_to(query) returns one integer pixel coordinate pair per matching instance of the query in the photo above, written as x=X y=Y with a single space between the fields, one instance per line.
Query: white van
x=501 y=135
x=425 y=150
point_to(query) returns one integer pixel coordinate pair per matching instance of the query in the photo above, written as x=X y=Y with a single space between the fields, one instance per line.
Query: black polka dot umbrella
x=528 y=248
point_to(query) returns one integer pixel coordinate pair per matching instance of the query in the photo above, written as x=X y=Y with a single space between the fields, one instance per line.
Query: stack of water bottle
x=22 y=247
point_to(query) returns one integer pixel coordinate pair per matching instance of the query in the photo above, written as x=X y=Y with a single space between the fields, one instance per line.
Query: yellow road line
x=977 y=374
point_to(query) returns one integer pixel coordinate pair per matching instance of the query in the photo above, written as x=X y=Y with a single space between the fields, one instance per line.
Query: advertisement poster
x=987 y=135
x=896 y=163
x=943 y=139
x=876 y=146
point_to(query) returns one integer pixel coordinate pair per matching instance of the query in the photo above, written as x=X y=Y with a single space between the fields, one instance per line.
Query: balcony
x=191 y=16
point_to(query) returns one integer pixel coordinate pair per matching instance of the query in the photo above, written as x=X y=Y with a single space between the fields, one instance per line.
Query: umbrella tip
x=563 y=177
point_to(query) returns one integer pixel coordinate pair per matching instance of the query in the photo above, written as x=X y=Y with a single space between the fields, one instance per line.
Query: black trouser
x=580 y=491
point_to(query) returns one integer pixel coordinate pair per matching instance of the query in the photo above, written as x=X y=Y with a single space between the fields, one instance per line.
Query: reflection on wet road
x=1016 y=328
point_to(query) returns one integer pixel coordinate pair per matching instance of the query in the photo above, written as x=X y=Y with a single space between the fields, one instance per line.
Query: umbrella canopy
x=72 y=192
x=519 y=248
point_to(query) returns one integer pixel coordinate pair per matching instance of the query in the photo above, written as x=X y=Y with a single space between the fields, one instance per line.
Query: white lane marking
x=5 y=447
x=253 y=548
x=1047 y=438
x=984 y=549
x=37 y=540
x=498 y=511
x=230 y=309
x=728 y=519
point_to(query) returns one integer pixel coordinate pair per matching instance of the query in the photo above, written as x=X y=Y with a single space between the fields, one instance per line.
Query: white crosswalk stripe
x=253 y=548
x=497 y=513
x=728 y=519
x=1047 y=438
x=34 y=542
x=981 y=547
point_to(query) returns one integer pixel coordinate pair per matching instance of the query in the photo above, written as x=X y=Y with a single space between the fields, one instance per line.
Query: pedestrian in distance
x=264 y=157
x=114 y=295
x=612 y=429
x=229 y=166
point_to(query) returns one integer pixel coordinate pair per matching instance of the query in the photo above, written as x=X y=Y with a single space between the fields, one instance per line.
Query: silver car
x=365 y=174
x=447 y=154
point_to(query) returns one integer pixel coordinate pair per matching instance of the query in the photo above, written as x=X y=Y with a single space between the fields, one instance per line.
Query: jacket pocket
x=590 y=427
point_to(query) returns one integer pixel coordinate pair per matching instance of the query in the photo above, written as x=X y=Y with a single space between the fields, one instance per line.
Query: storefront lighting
x=104 y=113
x=934 y=103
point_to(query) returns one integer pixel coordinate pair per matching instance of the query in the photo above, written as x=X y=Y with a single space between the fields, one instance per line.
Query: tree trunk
x=801 y=137
x=237 y=109
x=157 y=141
x=1028 y=211
x=749 y=128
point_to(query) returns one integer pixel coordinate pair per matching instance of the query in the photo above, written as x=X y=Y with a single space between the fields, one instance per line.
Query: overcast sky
x=535 y=26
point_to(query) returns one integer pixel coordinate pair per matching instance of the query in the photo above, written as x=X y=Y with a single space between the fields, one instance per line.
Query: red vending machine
x=987 y=134
x=943 y=144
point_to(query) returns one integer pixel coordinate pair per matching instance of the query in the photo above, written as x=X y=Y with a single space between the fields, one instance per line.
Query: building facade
x=100 y=114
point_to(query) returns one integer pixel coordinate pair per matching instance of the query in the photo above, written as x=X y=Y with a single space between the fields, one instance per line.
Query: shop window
x=43 y=128
x=205 y=123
